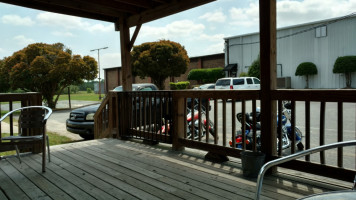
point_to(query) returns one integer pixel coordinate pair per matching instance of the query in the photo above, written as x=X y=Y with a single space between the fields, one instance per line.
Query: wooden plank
x=14 y=172
x=175 y=166
x=88 y=188
x=2 y=195
x=105 y=174
x=285 y=187
x=9 y=187
x=149 y=180
x=184 y=187
x=100 y=184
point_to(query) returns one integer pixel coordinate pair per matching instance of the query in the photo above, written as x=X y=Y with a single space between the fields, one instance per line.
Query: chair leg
x=49 y=155
x=18 y=153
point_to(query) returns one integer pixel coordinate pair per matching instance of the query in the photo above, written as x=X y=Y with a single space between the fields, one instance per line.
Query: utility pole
x=99 y=68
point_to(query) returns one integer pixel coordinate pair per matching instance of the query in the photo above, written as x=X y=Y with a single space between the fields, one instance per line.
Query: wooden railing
x=106 y=117
x=9 y=102
x=143 y=115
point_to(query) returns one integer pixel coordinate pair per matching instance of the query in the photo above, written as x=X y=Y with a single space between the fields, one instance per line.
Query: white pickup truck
x=236 y=83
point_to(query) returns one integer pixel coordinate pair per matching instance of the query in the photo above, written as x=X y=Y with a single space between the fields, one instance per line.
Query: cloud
x=292 y=12
x=176 y=29
x=296 y=12
x=248 y=17
x=216 y=16
x=212 y=38
x=22 y=40
x=17 y=20
x=108 y=60
x=214 y=48
x=2 y=50
x=63 y=34
x=70 y=22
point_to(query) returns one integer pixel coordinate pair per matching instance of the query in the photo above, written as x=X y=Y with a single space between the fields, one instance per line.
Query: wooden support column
x=125 y=54
x=268 y=77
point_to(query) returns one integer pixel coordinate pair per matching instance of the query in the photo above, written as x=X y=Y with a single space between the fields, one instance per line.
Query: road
x=349 y=112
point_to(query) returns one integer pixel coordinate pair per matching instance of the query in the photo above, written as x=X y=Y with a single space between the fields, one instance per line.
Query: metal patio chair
x=32 y=130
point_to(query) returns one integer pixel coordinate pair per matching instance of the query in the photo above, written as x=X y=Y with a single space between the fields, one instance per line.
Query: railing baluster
x=307 y=128
x=254 y=129
x=224 y=122
x=216 y=120
x=279 y=127
x=233 y=119
x=11 y=119
x=192 y=128
x=243 y=123
x=207 y=118
x=322 y=131
x=340 y=134
x=293 y=127
x=199 y=120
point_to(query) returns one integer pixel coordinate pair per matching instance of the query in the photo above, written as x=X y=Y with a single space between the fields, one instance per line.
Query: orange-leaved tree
x=48 y=69
x=159 y=60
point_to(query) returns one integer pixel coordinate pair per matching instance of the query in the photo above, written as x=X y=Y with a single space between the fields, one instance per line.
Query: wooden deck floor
x=115 y=169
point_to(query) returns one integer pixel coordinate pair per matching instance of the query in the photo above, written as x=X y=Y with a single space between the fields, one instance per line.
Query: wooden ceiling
x=133 y=11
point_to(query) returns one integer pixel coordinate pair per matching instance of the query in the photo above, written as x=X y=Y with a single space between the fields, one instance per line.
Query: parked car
x=81 y=120
x=237 y=83
x=208 y=86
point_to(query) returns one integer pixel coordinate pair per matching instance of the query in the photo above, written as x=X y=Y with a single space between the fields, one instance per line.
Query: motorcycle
x=286 y=130
x=193 y=115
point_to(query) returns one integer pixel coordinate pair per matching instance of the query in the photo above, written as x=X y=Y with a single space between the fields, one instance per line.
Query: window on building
x=320 y=32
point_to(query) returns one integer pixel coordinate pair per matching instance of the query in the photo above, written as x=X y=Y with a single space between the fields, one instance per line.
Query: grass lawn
x=54 y=139
x=81 y=95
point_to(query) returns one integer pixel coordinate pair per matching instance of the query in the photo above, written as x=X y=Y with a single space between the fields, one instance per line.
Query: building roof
x=325 y=21
x=134 y=11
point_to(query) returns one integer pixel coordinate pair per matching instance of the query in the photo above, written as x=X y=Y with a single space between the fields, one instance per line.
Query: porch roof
x=135 y=11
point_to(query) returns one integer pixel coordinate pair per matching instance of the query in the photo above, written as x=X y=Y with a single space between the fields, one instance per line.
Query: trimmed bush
x=346 y=65
x=209 y=75
x=89 y=90
x=179 y=85
x=306 y=69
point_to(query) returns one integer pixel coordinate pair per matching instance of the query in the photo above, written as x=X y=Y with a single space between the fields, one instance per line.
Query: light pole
x=99 y=69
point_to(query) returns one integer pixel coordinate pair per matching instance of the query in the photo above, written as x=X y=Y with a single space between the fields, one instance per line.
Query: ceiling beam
x=164 y=10
x=60 y=10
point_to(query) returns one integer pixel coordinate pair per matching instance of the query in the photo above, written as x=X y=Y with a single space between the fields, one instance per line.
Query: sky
x=200 y=30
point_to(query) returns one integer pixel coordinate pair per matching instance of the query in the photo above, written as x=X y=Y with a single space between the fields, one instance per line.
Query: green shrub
x=243 y=74
x=346 y=65
x=89 y=90
x=306 y=69
x=179 y=85
x=254 y=69
x=209 y=75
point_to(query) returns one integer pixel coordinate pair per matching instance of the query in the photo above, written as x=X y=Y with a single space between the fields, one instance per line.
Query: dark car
x=81 y=120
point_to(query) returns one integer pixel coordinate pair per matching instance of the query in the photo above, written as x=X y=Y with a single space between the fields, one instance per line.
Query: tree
x=159 y=60
x=346 y=65
x=254 y=69
x=306 y=69
x=4 y=83
x=48 y=69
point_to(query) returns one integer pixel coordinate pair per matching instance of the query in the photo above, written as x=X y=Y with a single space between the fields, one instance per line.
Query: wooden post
x=179 y=119
x=125 y=54
x=268 y=77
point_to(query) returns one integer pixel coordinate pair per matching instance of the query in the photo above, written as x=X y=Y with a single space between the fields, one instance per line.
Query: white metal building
x=320 y=42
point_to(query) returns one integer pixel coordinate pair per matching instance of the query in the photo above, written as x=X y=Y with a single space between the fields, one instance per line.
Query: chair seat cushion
x=23 y=138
